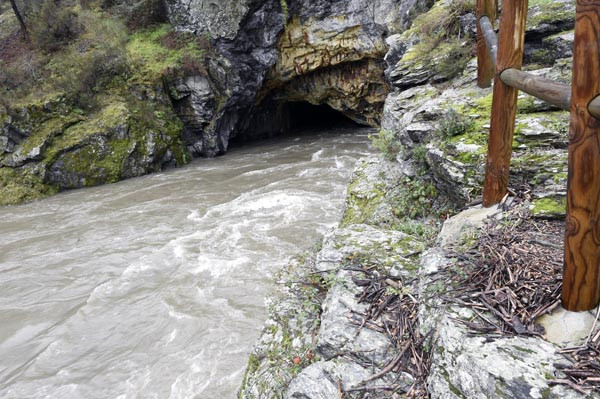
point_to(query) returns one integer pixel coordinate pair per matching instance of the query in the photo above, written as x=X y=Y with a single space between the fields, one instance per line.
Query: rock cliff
x=250 y=63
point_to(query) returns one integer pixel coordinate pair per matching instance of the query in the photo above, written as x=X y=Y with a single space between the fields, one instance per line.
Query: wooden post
x=485 y=66
x=581 y=282
x=511 y=41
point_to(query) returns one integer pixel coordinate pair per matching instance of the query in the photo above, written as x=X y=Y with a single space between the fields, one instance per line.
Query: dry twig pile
x=393 y=310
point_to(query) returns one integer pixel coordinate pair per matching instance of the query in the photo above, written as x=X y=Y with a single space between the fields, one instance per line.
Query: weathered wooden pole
x=511 y=41
x=485 y=66
x=581 y=281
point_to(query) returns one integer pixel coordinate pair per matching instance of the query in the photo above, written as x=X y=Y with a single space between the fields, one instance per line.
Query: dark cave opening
x=276 y=119
x=307 y=116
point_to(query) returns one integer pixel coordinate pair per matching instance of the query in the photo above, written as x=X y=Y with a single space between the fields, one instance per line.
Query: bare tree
x=20 y=18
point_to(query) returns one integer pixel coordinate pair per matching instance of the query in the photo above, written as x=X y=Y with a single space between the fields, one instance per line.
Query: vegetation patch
x=453 y=124
x=22 y=185
x=387 y=142
x=413 y=198
x=549 y=207
x=160 y=51
x=441 y=43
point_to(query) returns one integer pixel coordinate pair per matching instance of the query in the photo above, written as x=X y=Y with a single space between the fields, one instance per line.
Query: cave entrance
x=307 y=116
x=275 y=118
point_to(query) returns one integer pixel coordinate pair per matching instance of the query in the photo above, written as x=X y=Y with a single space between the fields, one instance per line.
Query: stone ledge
x=467 y=366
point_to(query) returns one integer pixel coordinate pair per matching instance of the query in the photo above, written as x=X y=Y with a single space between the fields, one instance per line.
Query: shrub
x=53 y=25
x=415 y=198
x=98 y=58
x=147 y=13
x=419 y=156
x=453 y=124
x=387 y=142
x=158 y=52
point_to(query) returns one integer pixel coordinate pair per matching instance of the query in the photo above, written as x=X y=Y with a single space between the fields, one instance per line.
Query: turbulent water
x=155 y=286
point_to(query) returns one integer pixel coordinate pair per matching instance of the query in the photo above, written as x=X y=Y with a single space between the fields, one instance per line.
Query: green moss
x=549 y=207
x=477 y=112
x=22 y=185
x=152 y=59
x=251 y=369
x=106 y=119
x=97 y=148
x=46 y=131
x=437 y=47
x=284 y=10
x=469 y=158
x=549 y=11
x=560 y=177
x=525 y=104
x=360 y=208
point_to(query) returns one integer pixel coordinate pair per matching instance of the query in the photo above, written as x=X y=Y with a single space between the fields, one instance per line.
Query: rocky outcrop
x=467 y=366
x=450 y=124
x=250 y=61
x=50 y=147
x=312 y=345
x=268 y=53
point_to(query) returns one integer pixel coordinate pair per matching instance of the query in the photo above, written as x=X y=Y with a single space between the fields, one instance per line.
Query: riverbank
x=397 y=227
x=378 y=312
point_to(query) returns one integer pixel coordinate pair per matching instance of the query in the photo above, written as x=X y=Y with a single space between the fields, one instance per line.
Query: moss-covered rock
x=23 y=185
x=54 y=147
x=96 y=109
x=123 y=139
x=436 y=47
x=546 y=17
x=549 y=207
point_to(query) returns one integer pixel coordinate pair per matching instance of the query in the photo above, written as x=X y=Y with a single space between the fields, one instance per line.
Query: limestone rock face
x=243 y=38
x=355 y=89
x=194 y=102
x=342 y=356
x=452 y=125
x=268 y=53
x=218 y=18
x=336 y=48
